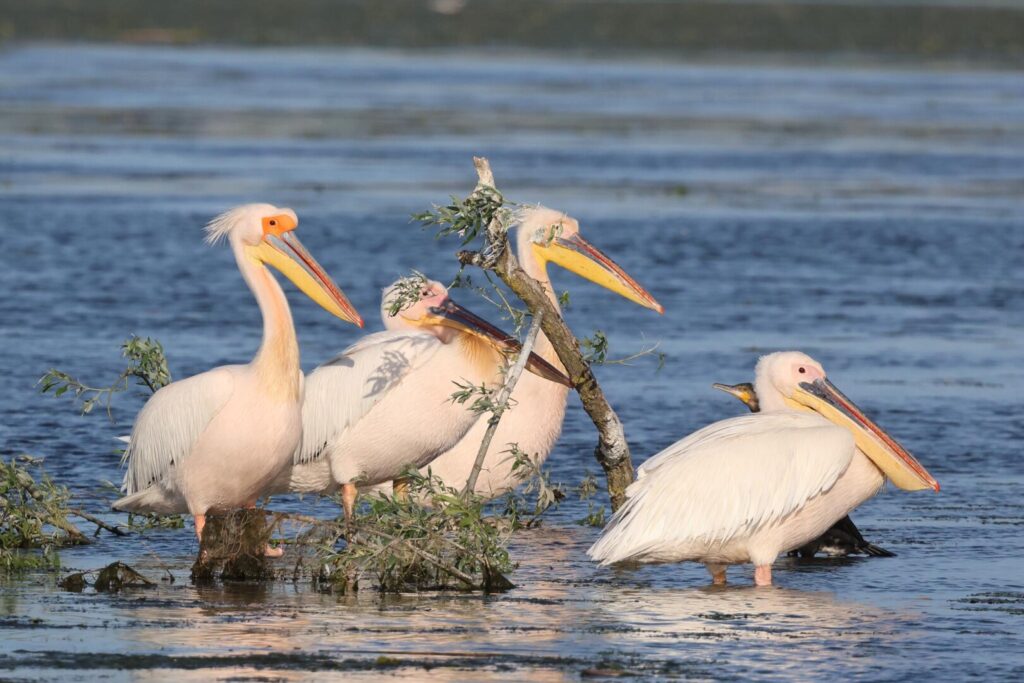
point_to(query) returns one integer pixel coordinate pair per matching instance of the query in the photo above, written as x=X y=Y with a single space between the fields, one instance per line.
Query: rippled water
x=872 y=218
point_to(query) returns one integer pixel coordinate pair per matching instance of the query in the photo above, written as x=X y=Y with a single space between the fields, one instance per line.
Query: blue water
x=873 y=218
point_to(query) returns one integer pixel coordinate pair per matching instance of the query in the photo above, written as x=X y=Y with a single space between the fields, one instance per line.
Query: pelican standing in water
x=843 y=538
x=534 y=424
x=385 y=404
x=214 y=441
x=751 y=487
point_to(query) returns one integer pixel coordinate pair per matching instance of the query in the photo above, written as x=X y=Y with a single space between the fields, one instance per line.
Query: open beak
x=451 y=314
x=896 y=463
x=744 y=392
x=576 y=254
x=286 y=253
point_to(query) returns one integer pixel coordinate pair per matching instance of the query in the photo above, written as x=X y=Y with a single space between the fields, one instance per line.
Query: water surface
x=870 y=217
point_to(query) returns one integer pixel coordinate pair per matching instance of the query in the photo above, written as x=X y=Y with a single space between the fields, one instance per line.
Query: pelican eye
x=274 y=223
x=802 y=370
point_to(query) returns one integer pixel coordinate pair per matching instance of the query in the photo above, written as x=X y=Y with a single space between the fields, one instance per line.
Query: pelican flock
x=216 y=440
x=783 y=478
x=385 y=404
x=746 y=489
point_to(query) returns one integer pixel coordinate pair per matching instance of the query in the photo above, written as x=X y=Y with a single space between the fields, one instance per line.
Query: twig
x=502 y=402
x=98 y=522
x=460 y=575
x=625 y=360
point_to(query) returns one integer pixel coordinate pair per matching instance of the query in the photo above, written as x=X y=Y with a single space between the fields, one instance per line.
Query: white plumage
x=214 y=441
x=749 y=488
x=723 y=482
x=343 y=390
x=165 y=433
x=385 y=404
x=358 y=429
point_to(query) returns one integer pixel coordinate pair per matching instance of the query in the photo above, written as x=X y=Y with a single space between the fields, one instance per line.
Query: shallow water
x=872 y=218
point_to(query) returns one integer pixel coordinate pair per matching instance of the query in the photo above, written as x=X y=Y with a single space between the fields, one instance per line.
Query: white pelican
x=214 y=441
x=385 y=404
x=542 y=236
x=749 y=488
x=842 y=538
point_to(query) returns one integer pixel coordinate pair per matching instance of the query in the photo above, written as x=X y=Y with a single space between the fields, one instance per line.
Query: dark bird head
x=744 y=392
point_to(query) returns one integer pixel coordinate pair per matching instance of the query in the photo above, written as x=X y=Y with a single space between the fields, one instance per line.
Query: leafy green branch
x=495 y=295
x=33 y=514
x=465 y=218
x=436 y=537
x=535 y=484
x=406 y=292
x=147 y=364
x=596 y=515
x=483 y=396
x=595 y=351
x=595 y=348
x=537 y=495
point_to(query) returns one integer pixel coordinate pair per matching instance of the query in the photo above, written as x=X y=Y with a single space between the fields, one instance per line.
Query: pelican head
x=744 y=392
x=555 y=237
x=795 y=380
x=435 y=312
x=266 y=234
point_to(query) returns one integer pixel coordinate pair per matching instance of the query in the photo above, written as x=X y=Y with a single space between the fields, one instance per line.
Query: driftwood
x=111 y=579
x=497 y=256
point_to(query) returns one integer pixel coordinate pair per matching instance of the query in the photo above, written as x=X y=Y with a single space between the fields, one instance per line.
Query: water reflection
x=755 y=625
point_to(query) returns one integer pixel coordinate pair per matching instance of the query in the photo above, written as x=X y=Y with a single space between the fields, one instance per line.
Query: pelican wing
x=344 y=389
x=725 y=480
x=170 y=423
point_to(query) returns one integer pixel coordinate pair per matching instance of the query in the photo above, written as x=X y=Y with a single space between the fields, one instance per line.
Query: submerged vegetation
x=436 y=537
x=33 y=515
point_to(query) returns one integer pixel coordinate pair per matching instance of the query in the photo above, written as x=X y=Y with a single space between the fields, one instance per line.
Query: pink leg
x=763 y=575
x=348 y=500
x=717 y=572
x=200 y=523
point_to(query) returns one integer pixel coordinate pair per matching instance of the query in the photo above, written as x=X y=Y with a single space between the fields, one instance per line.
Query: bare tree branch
x=612 y=451
x=100 y=524
x=501 y=404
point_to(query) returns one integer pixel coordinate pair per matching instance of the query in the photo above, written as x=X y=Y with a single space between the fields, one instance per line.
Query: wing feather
x=726 y=481
x=170 y=423
x=344 y=389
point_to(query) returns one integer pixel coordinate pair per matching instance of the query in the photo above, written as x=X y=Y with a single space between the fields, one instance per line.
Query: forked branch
x=612 y=451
